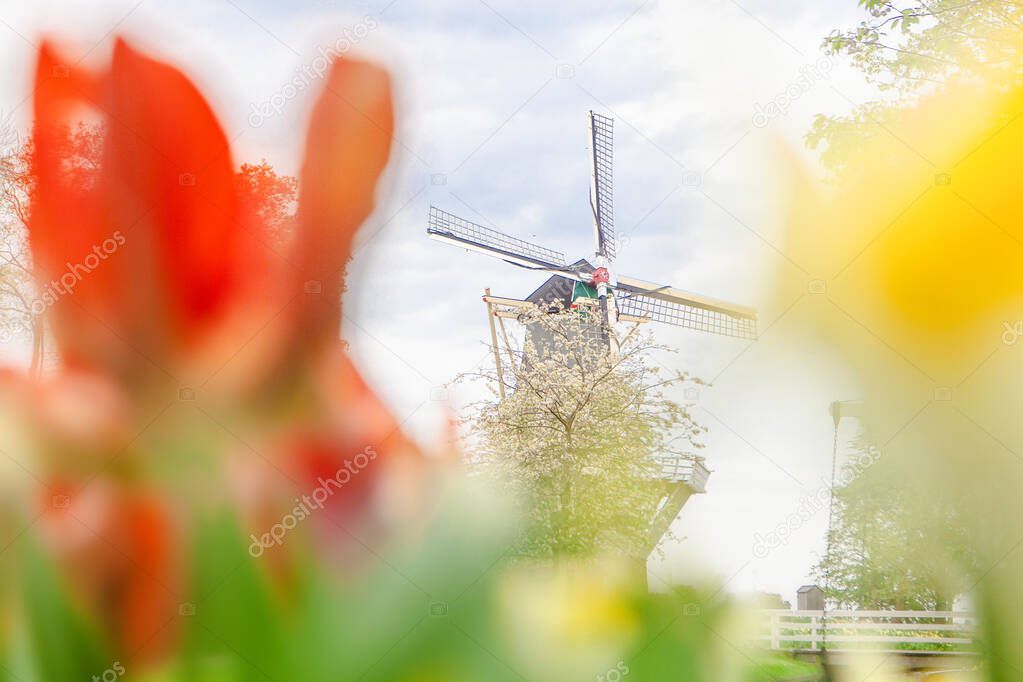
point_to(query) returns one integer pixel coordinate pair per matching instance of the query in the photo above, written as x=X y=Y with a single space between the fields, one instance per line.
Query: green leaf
x=237 y=629
x=63 y=643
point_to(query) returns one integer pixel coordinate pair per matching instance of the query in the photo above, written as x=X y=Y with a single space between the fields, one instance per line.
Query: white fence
x=938 y=632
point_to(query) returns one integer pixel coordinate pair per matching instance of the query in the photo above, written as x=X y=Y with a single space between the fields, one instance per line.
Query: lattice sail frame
x=634 y=299
x=602 y=191
x=449 y=225
x=687 y=316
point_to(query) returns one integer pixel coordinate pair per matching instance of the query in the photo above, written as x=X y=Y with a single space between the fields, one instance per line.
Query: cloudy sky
x=494 y=95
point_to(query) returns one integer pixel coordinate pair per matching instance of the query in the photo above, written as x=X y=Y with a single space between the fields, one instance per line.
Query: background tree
x=894 y=544
x=899 y=540
x=272 y=196
x=908 y=48
x=274 y=199
x=770 y=600
x=577 y=434
x=17 y=285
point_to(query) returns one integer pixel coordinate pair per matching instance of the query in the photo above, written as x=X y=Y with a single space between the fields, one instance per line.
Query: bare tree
x=16 y=283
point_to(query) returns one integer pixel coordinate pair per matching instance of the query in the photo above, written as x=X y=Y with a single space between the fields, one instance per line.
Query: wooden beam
x=510 y=302
x=507 y=344
x=493 y=343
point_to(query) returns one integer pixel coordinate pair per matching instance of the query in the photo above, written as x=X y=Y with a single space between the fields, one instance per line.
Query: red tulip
x=188 y=253
x=171 y=278
x=120 y=548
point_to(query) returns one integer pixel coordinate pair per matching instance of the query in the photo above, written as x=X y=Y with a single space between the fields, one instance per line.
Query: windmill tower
x=617 y=298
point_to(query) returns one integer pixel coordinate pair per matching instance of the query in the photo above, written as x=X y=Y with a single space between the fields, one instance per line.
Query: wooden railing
x=681 y=468
x=937 y=632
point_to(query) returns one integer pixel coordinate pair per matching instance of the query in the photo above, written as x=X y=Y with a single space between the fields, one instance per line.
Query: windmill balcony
x=688 y=469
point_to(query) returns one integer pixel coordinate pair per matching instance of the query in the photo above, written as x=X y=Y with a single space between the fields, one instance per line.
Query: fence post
x=775 y=631
x=813 y=632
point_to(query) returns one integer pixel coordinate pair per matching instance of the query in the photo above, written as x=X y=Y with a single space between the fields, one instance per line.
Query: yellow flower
x=568 y=620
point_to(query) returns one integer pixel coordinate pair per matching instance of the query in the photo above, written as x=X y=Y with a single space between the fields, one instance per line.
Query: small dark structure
x=810 y=598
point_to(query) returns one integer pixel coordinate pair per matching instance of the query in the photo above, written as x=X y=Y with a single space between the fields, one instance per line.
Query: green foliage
x=909 y=48
x=780 y=668
x=841 y=138
x=439 y=601
x=894 y=544
x=234 y=609
x=906 y=45
x=62 y=643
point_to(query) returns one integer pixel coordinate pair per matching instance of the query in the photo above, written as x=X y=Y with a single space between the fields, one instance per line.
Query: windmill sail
x=640 y=299
x=602 y=184
x=633 y=299
x=448 y=227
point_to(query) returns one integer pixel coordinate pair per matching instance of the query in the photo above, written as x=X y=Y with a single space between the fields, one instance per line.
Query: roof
x=558 y=288
x=807 y=588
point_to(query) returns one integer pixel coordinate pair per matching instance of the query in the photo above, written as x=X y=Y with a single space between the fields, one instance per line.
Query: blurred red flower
x=159 y=278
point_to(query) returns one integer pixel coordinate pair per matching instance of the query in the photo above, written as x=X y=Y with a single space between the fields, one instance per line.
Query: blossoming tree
x=579 y=431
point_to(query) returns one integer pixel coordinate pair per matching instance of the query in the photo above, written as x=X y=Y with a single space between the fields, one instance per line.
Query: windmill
x=618 y=298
